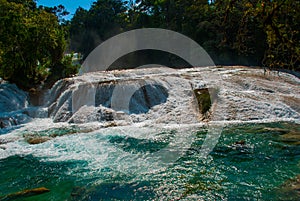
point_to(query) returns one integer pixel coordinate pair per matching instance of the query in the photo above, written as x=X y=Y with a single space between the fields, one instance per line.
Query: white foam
x=243 y=97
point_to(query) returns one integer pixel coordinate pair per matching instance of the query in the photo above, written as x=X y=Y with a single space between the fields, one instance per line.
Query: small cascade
x=15 y=107
x=159 y=95
x=56 y=91
x=12 y=98
x=162 y=95
x=132 y=97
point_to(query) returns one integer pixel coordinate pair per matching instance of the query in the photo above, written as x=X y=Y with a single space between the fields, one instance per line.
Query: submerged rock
x=24 y=194
x=292 y=137
x=241 y=142
x=290 y=190
x=38 y=137
x=37 y=140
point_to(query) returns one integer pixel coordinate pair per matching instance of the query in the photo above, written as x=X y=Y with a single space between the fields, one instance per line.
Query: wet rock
x=78 y=192
x=242 y=94
x=107 y=116
x=277 y=130
x=37 y=140
x=93 y=114
x=110 y=124
x=61 y=111
x=205 y=98
x=290 y=190
x=2 y=124
x=25 y=193
x=38 y=137
x=241 y=142
x=150 y=93
x=12 y=119
x=293 y=137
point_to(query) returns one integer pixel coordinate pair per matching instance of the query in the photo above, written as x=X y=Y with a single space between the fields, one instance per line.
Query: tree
x=32 y=43
x=89 y=28
x=233 y=32
x=281 y=22
x=266 y=30
x=60 y=11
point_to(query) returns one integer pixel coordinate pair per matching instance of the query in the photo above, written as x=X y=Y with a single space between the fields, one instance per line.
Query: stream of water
x=82 y=147
x=251 y=161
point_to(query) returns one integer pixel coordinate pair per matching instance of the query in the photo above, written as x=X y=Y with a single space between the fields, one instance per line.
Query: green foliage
x=32 y=43
x=281 y=20
x=264 y=31
x=70 y=68
x=89 y=28
x=246 y=32
x=205 y=98
x=65 y=68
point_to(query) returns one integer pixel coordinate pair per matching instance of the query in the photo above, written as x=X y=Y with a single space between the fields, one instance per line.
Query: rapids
x=138 y=135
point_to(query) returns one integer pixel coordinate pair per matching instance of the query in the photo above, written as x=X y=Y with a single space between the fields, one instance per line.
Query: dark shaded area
x=147 y=97
x=141 y=101
x=205 y=98
x=104 y=93
x=251 y=33
x=145 y=57
x=115 y=191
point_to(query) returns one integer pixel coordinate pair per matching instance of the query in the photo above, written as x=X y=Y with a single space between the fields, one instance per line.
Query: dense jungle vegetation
x=34 y=39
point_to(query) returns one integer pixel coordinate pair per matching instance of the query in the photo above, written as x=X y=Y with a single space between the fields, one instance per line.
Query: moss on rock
x=205 y=98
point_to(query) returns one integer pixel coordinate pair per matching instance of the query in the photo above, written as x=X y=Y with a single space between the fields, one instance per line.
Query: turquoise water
x=250 y=162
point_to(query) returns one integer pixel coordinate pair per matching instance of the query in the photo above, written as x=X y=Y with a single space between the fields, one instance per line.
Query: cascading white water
x=156 y=126
x=158 y=95
x=12 y=98
x=161 y=97
x=155 y=96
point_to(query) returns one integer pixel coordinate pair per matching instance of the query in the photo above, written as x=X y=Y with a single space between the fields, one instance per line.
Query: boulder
x=25 y=193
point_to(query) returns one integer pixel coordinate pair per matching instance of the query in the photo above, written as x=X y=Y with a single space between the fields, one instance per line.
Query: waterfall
x=12 y=98
x=158 y=95
x=129 y=96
